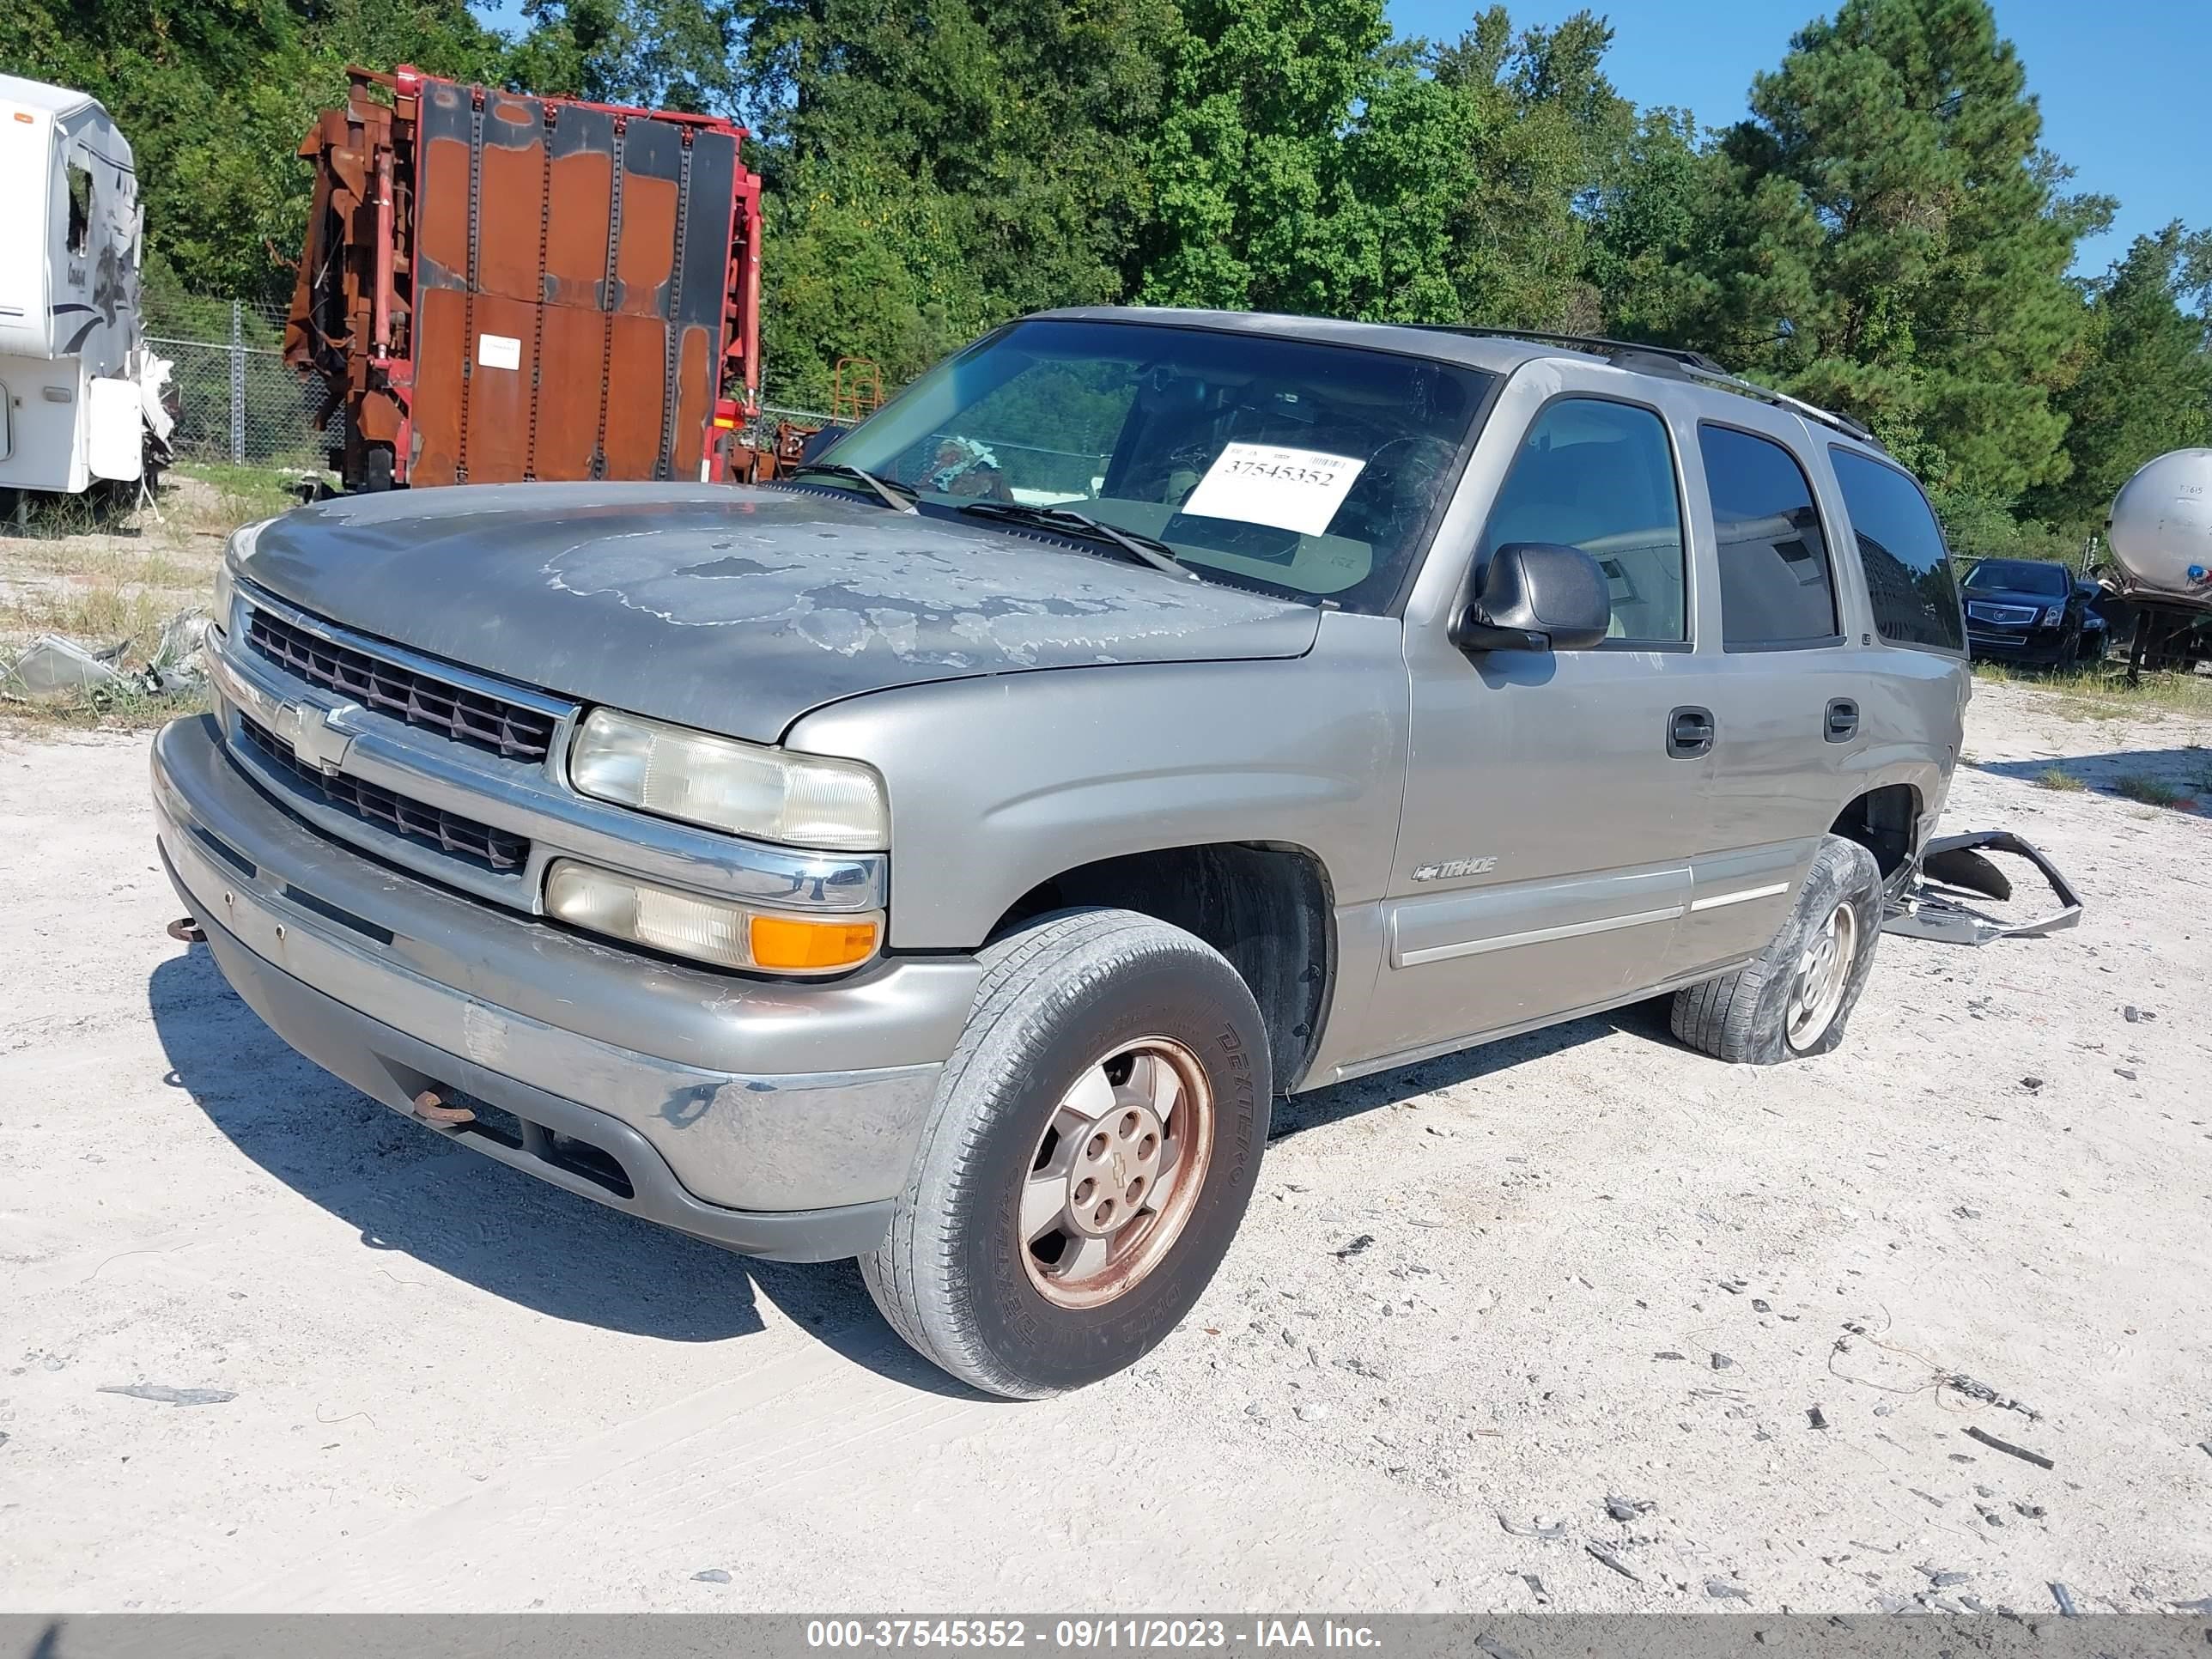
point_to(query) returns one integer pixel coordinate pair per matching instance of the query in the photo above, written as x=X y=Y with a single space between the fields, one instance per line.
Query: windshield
x=2021 y=575
x=1308 y=470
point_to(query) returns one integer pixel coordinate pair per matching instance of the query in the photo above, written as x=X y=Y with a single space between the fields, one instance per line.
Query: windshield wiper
x=1143 y=548
x=886 y=491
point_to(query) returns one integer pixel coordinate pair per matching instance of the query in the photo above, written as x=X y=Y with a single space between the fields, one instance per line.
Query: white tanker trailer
x=2160 y=535
x=2160 y=529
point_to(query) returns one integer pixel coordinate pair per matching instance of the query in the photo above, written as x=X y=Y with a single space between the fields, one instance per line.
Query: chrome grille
x=2007 y=616
x=471 y=717
x=496 y=850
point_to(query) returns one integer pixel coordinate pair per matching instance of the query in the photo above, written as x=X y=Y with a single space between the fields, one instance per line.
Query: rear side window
x=1774 y=587
x=1600 y=476
x=1908 y=568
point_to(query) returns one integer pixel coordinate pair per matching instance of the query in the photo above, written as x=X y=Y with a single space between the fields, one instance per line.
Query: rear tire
x=1795 y=998
x=1079 y=1015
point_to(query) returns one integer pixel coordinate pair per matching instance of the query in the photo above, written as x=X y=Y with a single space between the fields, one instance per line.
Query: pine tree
x=1894 y=242
x=2147 y=385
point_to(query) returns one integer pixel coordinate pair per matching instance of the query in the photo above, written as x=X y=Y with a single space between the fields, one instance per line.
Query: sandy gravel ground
x=1475 y=1301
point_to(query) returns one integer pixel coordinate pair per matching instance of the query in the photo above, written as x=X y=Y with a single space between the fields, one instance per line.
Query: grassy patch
x=99 y=590
x=234 y=494
x=2151 y=792
x=98 y=571
x=126 y=707
x=2094 y=692
x=104 y=572
x=2057 y=777
x=45 y=517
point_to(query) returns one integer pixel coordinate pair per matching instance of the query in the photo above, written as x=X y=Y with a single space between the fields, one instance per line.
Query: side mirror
x=1537 y=595
x=2087 y=590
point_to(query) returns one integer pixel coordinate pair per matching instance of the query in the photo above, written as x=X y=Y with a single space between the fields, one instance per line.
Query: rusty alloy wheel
x=1116 y=1172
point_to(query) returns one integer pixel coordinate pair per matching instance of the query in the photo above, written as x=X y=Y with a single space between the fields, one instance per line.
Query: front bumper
x=777 y=1118
x=2041 y=645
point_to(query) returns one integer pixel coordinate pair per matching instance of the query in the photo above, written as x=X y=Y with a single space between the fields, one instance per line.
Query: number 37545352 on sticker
x=1298 y=489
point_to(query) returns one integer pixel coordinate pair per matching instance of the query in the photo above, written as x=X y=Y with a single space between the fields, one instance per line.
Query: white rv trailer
x=79 y=392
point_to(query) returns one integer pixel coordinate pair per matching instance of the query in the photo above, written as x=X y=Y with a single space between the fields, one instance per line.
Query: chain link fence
x=236 y=399
x=239 y=401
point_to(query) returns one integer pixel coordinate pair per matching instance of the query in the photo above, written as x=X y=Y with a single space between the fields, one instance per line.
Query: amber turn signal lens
x=783 y=943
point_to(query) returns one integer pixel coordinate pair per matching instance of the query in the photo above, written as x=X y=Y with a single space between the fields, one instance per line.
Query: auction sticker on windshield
x=1295 y=490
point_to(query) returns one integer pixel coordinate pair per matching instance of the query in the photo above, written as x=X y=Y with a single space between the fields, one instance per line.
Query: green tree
x=1890 y=239
x=2146 y=384
x=201 y=91
x=215 y=95
x=1258 y=97
x=656 y=54
x=1307 y=164
x=860 y=262
x=1657 y=231
x=977 y=161
x=1548 y=128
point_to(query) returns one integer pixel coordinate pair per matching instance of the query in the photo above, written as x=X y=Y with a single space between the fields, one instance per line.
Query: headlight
x=706 y=929
x=2054 y=615
x=801 y=800
x=235 y=552
x=226 y=595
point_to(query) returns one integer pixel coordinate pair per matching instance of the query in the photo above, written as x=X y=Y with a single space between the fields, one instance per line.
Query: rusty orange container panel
x=498 y=287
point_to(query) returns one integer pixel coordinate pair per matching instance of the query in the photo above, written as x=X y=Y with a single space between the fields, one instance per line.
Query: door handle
x=1689 y=732
x=1842 y=721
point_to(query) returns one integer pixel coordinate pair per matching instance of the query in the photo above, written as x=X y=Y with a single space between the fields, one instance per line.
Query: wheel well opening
x=1883 y=822
x=1264 y=908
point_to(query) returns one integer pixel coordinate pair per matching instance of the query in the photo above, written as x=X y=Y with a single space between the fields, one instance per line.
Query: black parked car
x=2031 y=610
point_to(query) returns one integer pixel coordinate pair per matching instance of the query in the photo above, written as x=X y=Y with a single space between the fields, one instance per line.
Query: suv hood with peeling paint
x=737 y=609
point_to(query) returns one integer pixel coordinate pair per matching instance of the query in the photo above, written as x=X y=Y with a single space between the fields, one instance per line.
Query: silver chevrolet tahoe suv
x=945 y=856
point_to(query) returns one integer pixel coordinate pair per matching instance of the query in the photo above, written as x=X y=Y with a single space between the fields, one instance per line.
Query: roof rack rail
x=1689 y=365
x=1597 y=344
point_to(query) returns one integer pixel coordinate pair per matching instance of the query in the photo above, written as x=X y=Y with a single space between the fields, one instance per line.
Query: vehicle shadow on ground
x=1339 y=1100
x=411 y=1193
x=408 y=1192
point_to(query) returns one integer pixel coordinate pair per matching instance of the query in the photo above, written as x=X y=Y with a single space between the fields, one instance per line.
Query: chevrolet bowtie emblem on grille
x=316 y=737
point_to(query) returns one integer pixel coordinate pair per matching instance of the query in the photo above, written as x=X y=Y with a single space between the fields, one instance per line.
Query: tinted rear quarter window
x=1908 y=568
x=1775 y=587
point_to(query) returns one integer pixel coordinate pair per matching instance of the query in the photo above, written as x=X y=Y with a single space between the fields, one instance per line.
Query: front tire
x=1794 y=998
x=1091 y=1149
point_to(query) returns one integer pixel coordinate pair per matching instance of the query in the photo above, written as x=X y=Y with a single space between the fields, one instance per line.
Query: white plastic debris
x=175 y=663
x=54 y=667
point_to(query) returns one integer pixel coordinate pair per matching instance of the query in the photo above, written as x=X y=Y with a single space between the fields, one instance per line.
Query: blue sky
x=2122 y=83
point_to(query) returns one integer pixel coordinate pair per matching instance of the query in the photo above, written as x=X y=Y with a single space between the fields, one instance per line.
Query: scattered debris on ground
x=2020 y=1452
x=161 y=1394
x=1610 y=1559
x=52 y=670
x=1556 y=1529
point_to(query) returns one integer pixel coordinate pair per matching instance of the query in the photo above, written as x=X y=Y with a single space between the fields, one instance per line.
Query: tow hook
x=186 y=931
x=431 y=1108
